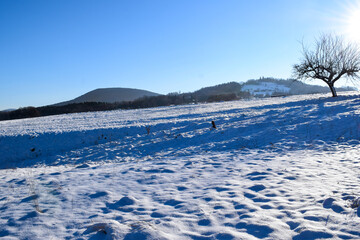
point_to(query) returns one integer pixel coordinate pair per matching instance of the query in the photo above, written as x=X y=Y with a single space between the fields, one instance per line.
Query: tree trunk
x=332 y=88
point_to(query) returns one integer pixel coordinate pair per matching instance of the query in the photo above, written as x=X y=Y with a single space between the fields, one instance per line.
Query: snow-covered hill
x=264 y=89
x=269 y=87
x=276 y=168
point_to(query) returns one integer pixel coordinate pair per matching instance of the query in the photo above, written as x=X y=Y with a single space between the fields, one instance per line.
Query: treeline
x=29 y=112
x=144 y=102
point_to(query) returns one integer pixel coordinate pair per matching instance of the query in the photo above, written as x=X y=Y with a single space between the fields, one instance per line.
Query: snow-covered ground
x=279 y=168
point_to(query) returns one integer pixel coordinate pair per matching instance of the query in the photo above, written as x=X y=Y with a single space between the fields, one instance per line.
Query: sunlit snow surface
x=277 y=168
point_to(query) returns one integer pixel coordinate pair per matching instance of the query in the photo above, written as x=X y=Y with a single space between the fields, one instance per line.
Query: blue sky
x=52 y=51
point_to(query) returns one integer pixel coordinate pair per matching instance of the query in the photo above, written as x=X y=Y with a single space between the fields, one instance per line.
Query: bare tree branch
x=331 y=59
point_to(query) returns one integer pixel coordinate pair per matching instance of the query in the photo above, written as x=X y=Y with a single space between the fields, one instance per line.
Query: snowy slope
x=280 y=168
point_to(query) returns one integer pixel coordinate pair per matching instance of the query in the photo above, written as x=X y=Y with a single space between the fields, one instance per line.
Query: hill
x=218 y=90
x=270 y=87
x=110 y=95
x=274 y=168
x=104 y=99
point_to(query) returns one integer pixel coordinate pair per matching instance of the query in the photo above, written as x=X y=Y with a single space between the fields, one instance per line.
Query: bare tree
x=331 y=59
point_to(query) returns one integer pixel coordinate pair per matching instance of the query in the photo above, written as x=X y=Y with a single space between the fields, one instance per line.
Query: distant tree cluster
x=24 y=113
x=224 y=89
x=29 y=112
x=156 y=101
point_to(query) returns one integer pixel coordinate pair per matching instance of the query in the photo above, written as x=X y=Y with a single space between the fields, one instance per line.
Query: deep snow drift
x=280 y=168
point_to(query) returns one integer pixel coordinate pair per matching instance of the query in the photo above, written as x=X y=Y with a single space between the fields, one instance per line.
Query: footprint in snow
x=160 y=170
x=230 y=215
x=107 y=230
x=55 y=173
x=217 y=207
x=144 y=231
x=346 y=196
x=255 y=198
x=204 y=222
x=4 y=233
x=3 y=208
x=124 y=204
x=257 y=188
x=261 y=200
x=232 y=194
x=218 y=236
x=99 y=194
x=221 y=189
x=308 y=234
x=239 y=206
x=18 y=182
x=216 y=165
x=270 y=195
x=29 y=215
x=257 y=176
x=249 y=195
x=290 y=178
x=224 y=236
x=259 y=231
x=83 y=166
x=292 y=224
x=125 y=201
x=30 y=198
x=188 y=164
x=243 y=216
x=315 y=218
x=157 y=215
x=266 y=206
x=331 y=203
x=256 y=173
x=337 y=208
x=181 y=188
x=172 y=202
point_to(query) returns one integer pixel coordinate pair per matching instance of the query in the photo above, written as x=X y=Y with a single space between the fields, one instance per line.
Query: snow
x=279 y=168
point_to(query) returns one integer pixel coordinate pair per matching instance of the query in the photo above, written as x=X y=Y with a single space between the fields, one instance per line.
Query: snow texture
x=279 y=168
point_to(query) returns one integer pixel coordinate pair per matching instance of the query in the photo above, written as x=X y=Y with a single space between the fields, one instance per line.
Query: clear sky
x=56 y=50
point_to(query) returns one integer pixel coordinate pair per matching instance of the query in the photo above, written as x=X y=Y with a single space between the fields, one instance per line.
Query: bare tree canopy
x=331 y=59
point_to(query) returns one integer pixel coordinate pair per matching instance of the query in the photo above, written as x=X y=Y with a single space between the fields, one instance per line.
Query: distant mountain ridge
x=263 y=87
x=110 y=95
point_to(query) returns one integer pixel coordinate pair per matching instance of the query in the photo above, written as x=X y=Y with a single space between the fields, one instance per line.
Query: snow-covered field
x=279 y=168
